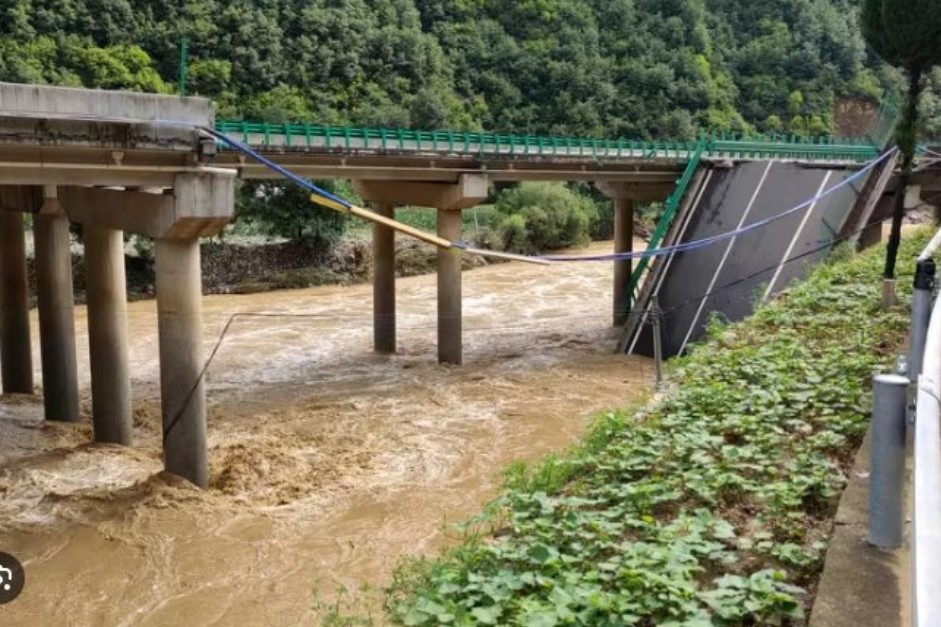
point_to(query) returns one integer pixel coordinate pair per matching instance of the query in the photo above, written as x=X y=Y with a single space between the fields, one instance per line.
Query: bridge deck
x=335 y=152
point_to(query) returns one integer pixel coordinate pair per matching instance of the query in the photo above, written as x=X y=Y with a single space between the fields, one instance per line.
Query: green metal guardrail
x=669 y=212
x=307 y=136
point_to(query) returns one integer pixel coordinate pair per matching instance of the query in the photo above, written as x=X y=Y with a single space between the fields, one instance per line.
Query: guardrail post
x=921 y=316
x=887 y=471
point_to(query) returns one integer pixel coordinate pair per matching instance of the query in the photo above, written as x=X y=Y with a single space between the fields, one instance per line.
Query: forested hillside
x=638 y=68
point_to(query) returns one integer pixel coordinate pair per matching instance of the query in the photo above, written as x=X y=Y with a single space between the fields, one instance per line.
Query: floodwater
x=328 y=464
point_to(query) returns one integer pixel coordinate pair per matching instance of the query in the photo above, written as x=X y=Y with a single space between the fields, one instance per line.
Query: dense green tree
x=544 y=216
x=906 y=33
x=605 y=68
x=639 y=68
x=283 y=210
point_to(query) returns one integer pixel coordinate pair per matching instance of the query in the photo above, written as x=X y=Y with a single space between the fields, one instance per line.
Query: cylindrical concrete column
x=182 y=391
x=107 y=335
x=449 y=291
x=384 y=282
x=16 y=360
x=623 y=243
x=56 y=314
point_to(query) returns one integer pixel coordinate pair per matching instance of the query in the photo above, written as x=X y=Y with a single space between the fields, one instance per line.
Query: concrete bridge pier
x=182 y=389
x=56 y=310
x=624 y=196
x=107 y=334
x=450 y=305
x=16 y=361
x=623 y=243
x=384 y=321
x=448 y=199
x=201 y=203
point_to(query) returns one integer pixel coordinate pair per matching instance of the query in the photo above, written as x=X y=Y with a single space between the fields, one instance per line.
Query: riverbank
x=265 y=266
x=715 y=503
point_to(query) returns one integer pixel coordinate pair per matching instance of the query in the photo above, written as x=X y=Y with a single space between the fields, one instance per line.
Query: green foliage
x=210 y=77
x=633 y=68
x=285 y=210
x=710 y=506
x=931 y=107
x=544 y=216
x=904 y=32
x=70 y=60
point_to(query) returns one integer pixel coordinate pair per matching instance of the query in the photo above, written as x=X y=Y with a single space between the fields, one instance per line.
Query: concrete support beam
x=200 y=206
x=623 y=243
x=469 y=190
x=625 y=194
x=928 y=180
x=449 y=292
x=449 y=199
x=384 y=324
x=107 y=335
x=638 y=192
x=16 y=361
x=182 y=391
x=56 y=312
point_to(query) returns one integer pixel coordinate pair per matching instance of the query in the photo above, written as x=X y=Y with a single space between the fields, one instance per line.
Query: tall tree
x=907 y=34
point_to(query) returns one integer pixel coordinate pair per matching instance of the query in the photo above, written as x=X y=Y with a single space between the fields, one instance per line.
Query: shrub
x=544 y=216
x=285 y=210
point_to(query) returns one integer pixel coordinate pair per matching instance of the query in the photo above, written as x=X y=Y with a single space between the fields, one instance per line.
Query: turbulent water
x=328 y=463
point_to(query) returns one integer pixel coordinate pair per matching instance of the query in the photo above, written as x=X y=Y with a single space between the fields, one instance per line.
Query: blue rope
x=708 y=241
x=271 y=165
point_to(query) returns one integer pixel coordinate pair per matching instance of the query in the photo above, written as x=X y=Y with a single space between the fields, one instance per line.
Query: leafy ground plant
x=712 y=506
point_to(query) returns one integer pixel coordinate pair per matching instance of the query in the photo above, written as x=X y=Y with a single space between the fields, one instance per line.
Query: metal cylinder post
x=16 y=360
x=384 y=283
x=56 y=314
x=182 y=390
x=921 y=316
x=107 y=335
x=887 y=461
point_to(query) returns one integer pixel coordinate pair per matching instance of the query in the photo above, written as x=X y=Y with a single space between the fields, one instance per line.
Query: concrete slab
x=862 y=585
x=728 y=279
x=854 y=504
x=46 y=102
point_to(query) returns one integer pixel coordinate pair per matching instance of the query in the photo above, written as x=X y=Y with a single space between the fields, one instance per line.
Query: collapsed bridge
x=160 y=166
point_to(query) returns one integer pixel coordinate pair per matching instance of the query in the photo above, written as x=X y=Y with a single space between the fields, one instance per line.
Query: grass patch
x=712 y=506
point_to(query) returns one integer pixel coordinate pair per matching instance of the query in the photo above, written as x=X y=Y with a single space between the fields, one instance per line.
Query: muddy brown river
x=329 y=464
